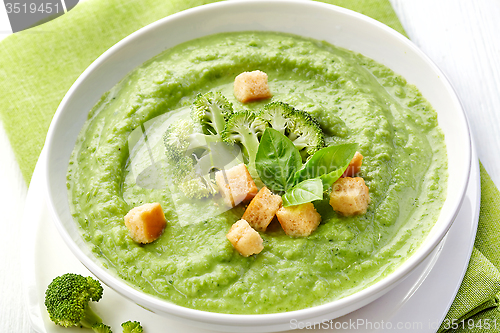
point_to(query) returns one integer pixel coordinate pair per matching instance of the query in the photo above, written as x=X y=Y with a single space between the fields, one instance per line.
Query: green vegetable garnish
x=299 y=126
x=306 y=191
x=245 y=128
x=328 y=164
x=277 y=161
x=211 y=111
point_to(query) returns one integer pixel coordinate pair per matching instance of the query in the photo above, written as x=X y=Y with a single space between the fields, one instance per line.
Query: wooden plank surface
x=463 y=38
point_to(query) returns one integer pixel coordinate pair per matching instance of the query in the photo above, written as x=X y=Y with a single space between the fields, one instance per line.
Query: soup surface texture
x=117 y=165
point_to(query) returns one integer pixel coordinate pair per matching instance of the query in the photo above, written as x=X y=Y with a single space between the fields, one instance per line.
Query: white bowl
x=333 y=24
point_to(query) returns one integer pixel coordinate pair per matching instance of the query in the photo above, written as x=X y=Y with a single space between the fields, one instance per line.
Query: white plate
x=419 y=303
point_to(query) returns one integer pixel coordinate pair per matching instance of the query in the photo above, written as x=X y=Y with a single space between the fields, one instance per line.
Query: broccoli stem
x=300 y=142
x=251 y=144
x=200 y=140
x=219 y=120
x=90 y=318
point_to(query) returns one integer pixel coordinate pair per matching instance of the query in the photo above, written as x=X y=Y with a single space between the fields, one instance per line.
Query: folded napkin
x=38 y=66
x=475 y=309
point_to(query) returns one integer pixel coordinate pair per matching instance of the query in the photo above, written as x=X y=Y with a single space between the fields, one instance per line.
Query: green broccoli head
x=184 y=142
x=132 y=327
x=67 y=300
x=211 y=111
x=177 y=138
x=245 y=128
x=101 y=328
x=277 y=114
x=299 y=126
x=305 y=133
x=182 y=168
x=196 y=186
x=185 y=137
x=193 y=184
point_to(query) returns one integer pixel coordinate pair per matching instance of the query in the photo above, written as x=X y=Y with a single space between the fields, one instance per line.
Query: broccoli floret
x=132 y=327
x=67 y=300
x=101 y=328
x=245 y=128
x=185 y=137
x=193 y=147
x=183 y=143
x=299 y=126
x=211 y=111
x=194 y=185
x=277 y=114
x=306 y=133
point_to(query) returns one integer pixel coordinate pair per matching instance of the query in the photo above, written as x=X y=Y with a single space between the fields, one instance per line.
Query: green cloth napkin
x=475 y=309
x=38 y=66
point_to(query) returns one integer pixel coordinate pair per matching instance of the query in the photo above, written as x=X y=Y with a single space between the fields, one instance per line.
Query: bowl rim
x=152 y=302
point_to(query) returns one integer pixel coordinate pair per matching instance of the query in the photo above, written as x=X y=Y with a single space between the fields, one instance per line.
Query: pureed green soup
x=354 y=98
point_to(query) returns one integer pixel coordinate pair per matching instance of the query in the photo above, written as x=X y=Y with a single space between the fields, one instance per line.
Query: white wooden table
x=461 y=36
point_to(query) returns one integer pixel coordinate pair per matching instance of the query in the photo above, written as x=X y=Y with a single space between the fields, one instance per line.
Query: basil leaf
x=306 y=191
x=332 y=177
x=277 y=161
x=328 y=164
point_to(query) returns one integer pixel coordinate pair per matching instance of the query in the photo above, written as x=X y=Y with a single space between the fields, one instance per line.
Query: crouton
x=350 y=196
x=244 y=239
x=251 y=86
x=146 y=223
x=354 y=165
x=300 y=220
x=262 y=209
x=236 y=185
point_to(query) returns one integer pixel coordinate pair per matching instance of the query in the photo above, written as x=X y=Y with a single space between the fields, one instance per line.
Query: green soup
x=354 y=98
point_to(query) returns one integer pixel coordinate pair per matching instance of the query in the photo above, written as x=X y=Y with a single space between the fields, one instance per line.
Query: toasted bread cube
x=262 y=209
x=300 y=220
x=236 y=185
x=146 y=223
x=251 y=86
x=350 y=196
x=244 y=239
x=354 y=166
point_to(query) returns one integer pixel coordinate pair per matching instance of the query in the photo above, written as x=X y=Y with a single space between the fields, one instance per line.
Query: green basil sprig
x=279 y=166
x=306 y=191
x=277 y=161
x=328 y=164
